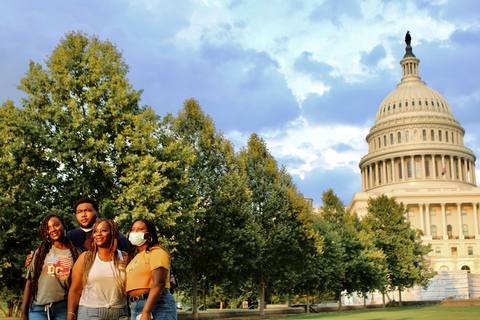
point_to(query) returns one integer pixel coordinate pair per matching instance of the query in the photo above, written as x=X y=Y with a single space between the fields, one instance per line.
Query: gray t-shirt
x=53 y=282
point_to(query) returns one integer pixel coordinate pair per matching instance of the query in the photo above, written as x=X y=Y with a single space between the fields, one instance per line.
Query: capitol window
x=391 y=138
x=413 y=103
x=454 y=251
x=432 y=135
x=446 y=136
x=470 y=251
x=406 y=103
x=409 y=169
x=385 y=140
x=400 y=105
x=465 y=230
x=434 y=231
x=438 y=250
x=399 y=137
x=439 y=135
x=419 y=102
x=424 y=134
x=448 y=213
x=427 y=172
x=407 y=136
x=426 y=102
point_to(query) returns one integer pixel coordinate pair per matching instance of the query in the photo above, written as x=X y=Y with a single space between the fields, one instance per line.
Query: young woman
x=98 y=278
x=48 y=275
x=148 y=278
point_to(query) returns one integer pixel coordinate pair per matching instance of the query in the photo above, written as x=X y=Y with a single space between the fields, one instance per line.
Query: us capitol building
x=416 y=154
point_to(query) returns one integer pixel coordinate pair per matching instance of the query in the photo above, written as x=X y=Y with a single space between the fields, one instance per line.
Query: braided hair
x=119 y=264
x=43 y=249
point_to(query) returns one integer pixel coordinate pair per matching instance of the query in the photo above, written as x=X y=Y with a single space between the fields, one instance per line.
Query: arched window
x=399 y=137
x=407 y=136
x=449 y=231
x=432 y=135
x=400 y=105
x=424 y=135
x=434 y=231
x=391 y=138
x=467 y=268
x=419 y=102
x=453 y=141
x=446 y=136
x=379 y=143
x=465 y=230
x=439 y=135
x=385 y=140
x=409 y=169
x=406 y=103
x=400 y=171
x=413 y=103
x=443 y=268
x=427 y=169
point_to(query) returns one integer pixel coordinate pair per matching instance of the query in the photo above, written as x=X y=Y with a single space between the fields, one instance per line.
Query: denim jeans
x=85 y=313
x=165 y=309
x=56 y=310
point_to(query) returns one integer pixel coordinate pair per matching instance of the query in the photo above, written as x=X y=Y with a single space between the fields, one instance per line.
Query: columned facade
x=416 y=154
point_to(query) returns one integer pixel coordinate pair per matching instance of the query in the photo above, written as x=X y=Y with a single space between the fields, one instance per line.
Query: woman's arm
x=159 y=277
x=76 y=288
x=27 y=296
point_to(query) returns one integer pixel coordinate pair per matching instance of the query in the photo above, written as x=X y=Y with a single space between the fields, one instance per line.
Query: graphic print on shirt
x=58 y=266
x=133 y=265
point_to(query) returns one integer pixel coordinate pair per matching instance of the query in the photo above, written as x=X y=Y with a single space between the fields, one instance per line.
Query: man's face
x=86 y=215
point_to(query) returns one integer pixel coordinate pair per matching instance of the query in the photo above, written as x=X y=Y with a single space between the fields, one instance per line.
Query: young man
x=86 y=212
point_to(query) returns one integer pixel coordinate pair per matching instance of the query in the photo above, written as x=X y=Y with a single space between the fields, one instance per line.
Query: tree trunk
x=289 y=301
x=340 y=300
x=383 y=299
x=262 y=297
x=400 y=296
x=308 y=300
x=194 y=298
x=365 y=302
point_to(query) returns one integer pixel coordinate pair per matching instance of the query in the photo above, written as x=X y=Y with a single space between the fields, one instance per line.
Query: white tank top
x=101 y=290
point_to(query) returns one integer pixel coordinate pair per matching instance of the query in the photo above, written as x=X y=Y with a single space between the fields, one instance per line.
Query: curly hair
x=43 y=249
x=119 y=264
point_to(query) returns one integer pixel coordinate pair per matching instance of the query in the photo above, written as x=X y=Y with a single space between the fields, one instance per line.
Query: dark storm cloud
x=241 y=89
x=317 y=70
x=372 y=58
x=349 y=103
x=342 y=180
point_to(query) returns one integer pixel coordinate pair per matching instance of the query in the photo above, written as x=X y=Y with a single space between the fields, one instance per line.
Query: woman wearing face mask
x=98 y=278
x=48 y=276
x=148 y=275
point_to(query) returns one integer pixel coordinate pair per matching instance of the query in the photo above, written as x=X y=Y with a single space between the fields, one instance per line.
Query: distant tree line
x=235 y=223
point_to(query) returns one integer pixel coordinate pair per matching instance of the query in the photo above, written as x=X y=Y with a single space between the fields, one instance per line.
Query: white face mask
x=137 y=238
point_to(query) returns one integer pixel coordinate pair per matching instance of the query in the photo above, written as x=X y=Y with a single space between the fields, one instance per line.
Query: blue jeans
x=85 y=313
x=165 y=309
x=56 y=310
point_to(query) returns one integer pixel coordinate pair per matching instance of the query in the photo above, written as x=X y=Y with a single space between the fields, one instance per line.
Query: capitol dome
x=415 y=138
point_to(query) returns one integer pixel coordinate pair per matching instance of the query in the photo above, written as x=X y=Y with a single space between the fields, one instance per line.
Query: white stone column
x=422 y=222
x=370 y=175
x=460 y=169
x=402 y=160
x=460 y=221
x=444 y=222
x=384 y=174
x=422 y=168
x=452 y=168
x=394 y=173
x=412 y=166
x=428 y=222
x=473 y=173
x=475 y=219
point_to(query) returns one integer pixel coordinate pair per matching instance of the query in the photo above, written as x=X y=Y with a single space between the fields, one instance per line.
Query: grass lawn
x=430 y=313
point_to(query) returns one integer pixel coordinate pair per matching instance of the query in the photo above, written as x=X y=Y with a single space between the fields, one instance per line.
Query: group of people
x=93 y=272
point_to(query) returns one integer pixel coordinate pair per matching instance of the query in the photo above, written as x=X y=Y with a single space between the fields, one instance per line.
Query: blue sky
x=307 y=76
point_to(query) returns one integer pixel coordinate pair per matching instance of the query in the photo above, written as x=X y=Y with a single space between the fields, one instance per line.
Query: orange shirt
x=139 y=270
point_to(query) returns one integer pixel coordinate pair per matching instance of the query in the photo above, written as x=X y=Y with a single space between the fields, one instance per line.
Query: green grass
x=407 y=313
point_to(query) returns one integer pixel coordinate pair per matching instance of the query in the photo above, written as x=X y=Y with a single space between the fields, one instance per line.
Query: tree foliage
x=81 y=132
x=394 y=235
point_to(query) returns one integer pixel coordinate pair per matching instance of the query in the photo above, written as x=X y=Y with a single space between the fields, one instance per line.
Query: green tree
x=213 y=234
x=81 y=132
x=280 y=219
x=394 y=235
x=359 y=266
